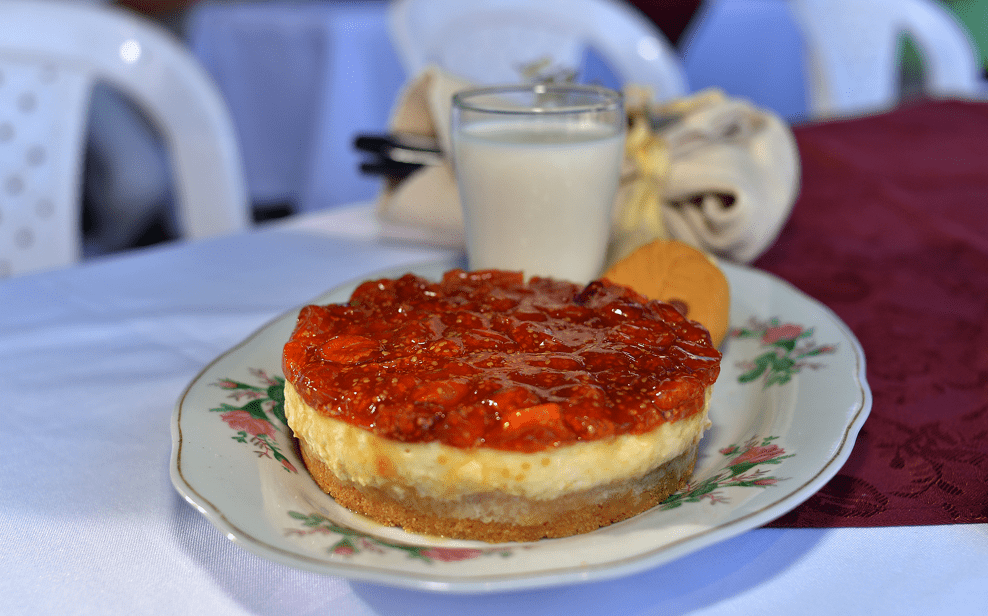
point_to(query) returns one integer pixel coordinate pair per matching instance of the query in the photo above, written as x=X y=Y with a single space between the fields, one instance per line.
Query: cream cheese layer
x=444 y=472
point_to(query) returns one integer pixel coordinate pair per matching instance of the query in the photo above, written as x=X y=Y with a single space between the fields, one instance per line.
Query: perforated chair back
x=489 y=41
x=51 y=55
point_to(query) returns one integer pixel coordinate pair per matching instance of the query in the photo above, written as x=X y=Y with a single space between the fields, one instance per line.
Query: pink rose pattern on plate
x=739 y=471
x=252 y=421
x=788 y=349
x=349 y=542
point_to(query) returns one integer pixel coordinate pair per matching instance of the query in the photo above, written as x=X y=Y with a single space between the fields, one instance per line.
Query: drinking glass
x=537 y=167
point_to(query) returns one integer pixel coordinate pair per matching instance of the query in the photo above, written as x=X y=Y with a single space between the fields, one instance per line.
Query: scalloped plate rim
x=648 y=559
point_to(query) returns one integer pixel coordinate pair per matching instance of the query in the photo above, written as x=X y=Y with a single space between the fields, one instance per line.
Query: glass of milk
x=537 y=167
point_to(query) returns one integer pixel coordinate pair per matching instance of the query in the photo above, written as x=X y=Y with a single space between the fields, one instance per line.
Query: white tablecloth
x=94 y=358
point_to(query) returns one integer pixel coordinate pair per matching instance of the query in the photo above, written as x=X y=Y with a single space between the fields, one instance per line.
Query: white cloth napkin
x=733 y=178
x=709 y=170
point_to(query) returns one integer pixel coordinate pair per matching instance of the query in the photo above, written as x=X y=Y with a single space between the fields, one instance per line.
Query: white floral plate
x=786 y=409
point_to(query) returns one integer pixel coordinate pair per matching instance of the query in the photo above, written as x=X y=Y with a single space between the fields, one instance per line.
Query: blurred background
x=302 y=78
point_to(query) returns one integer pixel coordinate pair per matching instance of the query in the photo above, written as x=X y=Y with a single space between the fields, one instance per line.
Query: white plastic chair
x=854 y=52
x=51 y=56
x=751 y=49
x=814 y=59
x=488 y=41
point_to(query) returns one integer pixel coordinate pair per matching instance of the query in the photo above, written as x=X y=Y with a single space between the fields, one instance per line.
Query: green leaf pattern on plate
x=739 y=470
x=349 y=542
x=787 y=349
x=252 y=421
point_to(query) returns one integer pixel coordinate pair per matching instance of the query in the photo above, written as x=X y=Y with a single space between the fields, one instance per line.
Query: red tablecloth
x=891 y=232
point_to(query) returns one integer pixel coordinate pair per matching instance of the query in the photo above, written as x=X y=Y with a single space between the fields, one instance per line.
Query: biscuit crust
x=507 y=518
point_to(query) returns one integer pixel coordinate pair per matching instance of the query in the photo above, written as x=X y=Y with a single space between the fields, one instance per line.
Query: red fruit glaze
x=482 y=359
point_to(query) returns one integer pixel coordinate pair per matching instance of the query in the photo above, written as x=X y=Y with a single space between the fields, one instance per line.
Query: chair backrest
x=488 y=41
x=51 y=55
x=751 y=49
x=854 y=51
x=812 y=59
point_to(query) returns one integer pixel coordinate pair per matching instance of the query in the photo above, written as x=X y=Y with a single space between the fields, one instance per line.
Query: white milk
x=538 y=196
